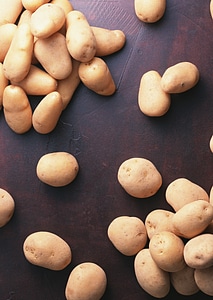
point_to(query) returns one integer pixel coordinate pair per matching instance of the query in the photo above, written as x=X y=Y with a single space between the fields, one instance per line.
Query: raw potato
x=87 y=281
x=211 y=144
x=149 y=11
x=64 y=4
x=25 y=17
x=57 y=168
x=48 y=250
x=127 y=234
x=7 y=207
x=211 y=8
x=182 y=191
x=180 y=77
x=152 y=100
x=198 y=251
x=150 y=277
x=139 y=177
x=96 y=76
x=204 y=280
x=3 y=83
x=7 y=32
x=192 y=219
x=167 y=251
x=32 y=5
x=10 y=11
x=184 y=282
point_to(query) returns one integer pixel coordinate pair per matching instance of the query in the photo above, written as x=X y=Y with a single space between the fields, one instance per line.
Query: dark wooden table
x=102 y=132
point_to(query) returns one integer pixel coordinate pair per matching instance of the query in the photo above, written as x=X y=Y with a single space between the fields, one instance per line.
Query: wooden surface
x=102 y=132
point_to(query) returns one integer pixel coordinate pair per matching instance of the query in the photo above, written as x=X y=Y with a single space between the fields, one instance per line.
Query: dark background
x=102 y=132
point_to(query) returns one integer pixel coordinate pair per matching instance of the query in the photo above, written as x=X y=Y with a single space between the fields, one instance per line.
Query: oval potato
x=10 y=11
x=64 y=4
x=149 y=11
x=7 y=207
x=203 y=279
x=32 y=5
x=7 y=32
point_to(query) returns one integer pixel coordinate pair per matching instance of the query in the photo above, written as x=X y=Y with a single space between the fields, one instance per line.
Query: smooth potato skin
x=149 y=11
x=7 y=207
x=10 y=11
x=211 y=143
x=7 y=32
x=33 y=5
x=3 y=83
x=203 y=279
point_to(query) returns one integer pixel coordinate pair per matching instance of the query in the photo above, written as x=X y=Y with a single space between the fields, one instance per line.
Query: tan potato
x=3 y=83
x=211 y=8
x=149 y=11
x=17 y=109
x=152 y=100
x=7 y=32
x=150 y=277
x=166 y=249
x=183 y=281
x=46 y=20
x=108 y=41
x=211 y=144
x=182 y=191
x=96 y=76
x=25 y=17
x=180 y=77
x=18 y=59
x=192 y=219
x=86 y=281
x=64 y=4
x=127 y=234
x=10 y=11
x=32 y=5
x=80 y=38
x=48 y=250
x=47 y=113
x=139 y=177
x=57 y=168
x=203 y=279
x=7 y=207
x=158 y=220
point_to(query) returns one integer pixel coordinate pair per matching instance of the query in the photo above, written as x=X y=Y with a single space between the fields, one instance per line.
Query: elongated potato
x=152 y=100
x=7 y=32
x=211 y=8
x=18 y=59
x=47 y=113
x=25 y=17
x=108 y=41
x=10 y=11
x=64 y=4
x=3 y=83
x=33 y=5
x=7 y=207
x=180 y=77
x=80 y=38
x=17 y=109
x=149 y=11
x=203 y=279
x=211 y=144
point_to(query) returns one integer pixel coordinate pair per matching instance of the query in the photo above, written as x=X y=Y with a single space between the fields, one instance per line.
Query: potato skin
x=203 y=279
x=10 y=11
x=3 y=83
x=7 y=32
x=7 y=207
x=149 y=11
x=57 y=168
x=211 y=144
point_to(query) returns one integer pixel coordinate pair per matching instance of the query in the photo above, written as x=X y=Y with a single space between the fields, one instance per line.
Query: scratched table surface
x=102 y=132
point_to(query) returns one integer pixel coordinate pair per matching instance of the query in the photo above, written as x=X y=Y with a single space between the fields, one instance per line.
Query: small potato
x=198 y=251
x=211 y=144
x=180 y=77
x=139 y=177
x=33 y=5
x=48 y=250
x=158 y=220
x=87 y=281
x=127 y=234
x=3 y=83
x=96 y=76
x=64 y=4
x=7 y=32
x=150 y=277
x=57 y=168
x=10 y=11
x=192 y=219
x=167 y=251
x=184 y=282
x=149 y=11
x=152 y=100
x=182 y=191
x=204 y=279
x=7 y=207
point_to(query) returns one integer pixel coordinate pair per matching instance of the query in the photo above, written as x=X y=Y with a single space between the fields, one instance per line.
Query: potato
x=57 y=168
x=180 y=77
x=80 y=38
x=10 y=11
x=203 y=279
x=152 y=100
x=139 y=177
x=198 y=251
x=32 y=5
x=97 y=77
x=46 y=20
x=211 y=8
x=87 y=281
x=48 y=250
x=158 y=220
x=47 y=113
x=127 y=234
x=183 y=281
x=18 y=59
x=192 y=218
x=17 y=109
x=150 y=277
x=167 y=251
x=211 y=144
x=149 y=11
x=25 y=17
x=3 y=83
x=64 y=4
x=7 y=32
x=53 y=55
x=182 y=191
x=7 y=207
x=108 y=41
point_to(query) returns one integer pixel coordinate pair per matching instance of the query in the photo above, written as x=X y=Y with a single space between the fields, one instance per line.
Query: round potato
x=203 y=279
x=150 y=11
x=7 y=207
x=48 y=250
x=87 y=281
x=139 y=177
x=127 y=234
x=57 y=168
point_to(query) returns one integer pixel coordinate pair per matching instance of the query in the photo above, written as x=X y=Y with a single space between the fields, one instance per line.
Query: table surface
x=102 y=132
